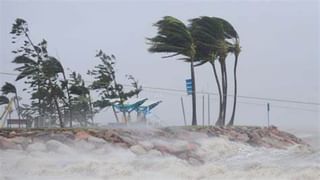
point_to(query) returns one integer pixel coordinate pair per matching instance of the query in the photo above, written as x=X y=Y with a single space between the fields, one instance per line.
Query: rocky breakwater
x=182 y=142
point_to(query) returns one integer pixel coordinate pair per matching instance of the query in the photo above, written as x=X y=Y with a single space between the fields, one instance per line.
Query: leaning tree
x=212 y=38
x=105 y=82
x=174 y=37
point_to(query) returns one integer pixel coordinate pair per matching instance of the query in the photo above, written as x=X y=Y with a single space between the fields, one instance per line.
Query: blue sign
x=189 y=86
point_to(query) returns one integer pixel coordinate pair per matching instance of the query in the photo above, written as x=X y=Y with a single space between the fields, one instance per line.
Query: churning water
x=222 y=159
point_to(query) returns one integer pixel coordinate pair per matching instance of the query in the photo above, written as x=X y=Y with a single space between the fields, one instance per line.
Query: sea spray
x=171 y=155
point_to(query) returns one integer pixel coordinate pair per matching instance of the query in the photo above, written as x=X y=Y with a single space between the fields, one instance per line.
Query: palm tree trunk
x=220 y=121
x=225 y=92
x=231 y=122
x=219 y=88
x=194 y=107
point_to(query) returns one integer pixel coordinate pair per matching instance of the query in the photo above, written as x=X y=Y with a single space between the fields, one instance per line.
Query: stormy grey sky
x=279 y=57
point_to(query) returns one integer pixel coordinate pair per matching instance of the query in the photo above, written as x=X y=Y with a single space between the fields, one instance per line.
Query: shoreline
x=269 y=137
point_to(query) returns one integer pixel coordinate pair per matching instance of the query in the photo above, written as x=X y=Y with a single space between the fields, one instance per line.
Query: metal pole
x=203 y=110
x=183 y=112
x=208 y=109
x=268 y=110
x=115 y=114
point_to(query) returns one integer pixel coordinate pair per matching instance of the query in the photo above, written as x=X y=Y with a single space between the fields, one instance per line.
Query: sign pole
x=208 y=109
x=203 y=110
x=268 y=110
x=183 y=112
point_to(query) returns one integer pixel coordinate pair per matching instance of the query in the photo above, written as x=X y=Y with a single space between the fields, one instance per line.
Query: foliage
x=80 y=98
x=106 y=84
x=40 y=71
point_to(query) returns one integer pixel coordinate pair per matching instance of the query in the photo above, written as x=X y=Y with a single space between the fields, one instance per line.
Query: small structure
x=141 y=106
x=145 y=109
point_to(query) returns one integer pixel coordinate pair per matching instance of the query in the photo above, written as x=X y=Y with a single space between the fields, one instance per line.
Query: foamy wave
x=95 y=160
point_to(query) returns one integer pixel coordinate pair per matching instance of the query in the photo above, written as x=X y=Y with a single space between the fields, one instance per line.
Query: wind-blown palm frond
x=8 y=88
x=206 y=32
x=4 y=100
x=229 y=31
x=173 y=37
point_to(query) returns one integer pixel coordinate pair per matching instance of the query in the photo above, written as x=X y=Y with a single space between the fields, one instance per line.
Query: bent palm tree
x=175 y=38
x=224 y=46
x=211 y=37
x=236 y=50
x=206 y=32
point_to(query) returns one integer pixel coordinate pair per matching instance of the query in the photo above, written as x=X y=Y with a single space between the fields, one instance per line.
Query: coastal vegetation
x=204 y=40
x=59 y=99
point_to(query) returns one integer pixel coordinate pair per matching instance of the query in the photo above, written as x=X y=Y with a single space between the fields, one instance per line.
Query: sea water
x=222 y=159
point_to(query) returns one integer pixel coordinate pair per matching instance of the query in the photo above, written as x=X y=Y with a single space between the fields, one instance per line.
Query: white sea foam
x=94 y=160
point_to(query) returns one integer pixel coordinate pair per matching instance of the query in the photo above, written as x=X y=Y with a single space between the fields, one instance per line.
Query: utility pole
x=203 y=110
x=183 y=112
x=208 y=109
x=268 y=111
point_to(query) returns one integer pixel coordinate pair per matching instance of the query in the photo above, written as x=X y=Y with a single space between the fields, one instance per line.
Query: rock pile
x=182 y=142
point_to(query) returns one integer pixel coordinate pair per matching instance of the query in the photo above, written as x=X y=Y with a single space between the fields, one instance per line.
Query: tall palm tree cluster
x=204 y=40
x=56 y=100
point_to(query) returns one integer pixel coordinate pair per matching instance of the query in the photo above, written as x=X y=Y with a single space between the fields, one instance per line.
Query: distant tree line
x=58 y=99
x=204 y=40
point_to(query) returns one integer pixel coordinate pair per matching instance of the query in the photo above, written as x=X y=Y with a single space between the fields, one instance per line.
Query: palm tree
x=236 y=50
x=206 y=33
x=211 y=36
x=175 y=38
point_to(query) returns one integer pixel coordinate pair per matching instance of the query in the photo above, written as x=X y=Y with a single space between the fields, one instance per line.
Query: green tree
x=236 y=51
x=105 y=82
x=174 y=37
x=40 y=71
x=206 y=33
x=51 y=68
x=211 y=36
x=80 y=99
x=230 y=34
x=30 y=57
